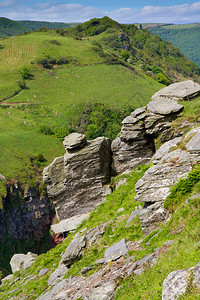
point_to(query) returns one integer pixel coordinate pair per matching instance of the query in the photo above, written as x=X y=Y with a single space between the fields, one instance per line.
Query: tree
x=125 y=55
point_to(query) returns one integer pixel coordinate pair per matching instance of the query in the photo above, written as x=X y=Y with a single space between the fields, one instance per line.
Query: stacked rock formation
x=76 y=180
x=135 y=145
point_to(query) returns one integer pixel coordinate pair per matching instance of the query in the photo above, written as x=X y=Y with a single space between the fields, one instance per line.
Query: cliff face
x=76 y=182
x=25 y=221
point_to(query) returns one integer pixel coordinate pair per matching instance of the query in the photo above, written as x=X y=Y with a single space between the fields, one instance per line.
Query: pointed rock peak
x=74 y=141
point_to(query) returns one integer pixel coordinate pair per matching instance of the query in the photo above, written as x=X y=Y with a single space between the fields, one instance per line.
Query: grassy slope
x=184 y=253
x=55 y=100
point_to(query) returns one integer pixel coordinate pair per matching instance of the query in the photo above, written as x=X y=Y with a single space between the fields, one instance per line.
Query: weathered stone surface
x=135 y=145
x=135 y=212
x=151 y=216
x=21 y=261
x=73 y=251
x=10 y=276
x=164 y=107
x=43 y=272
x=79 y=185
x=128 y=156
x=164 y=149
x=115 y=251
x=185 y=90
x=175 y=284
x=154 y=186
x=196 y=276
x=138 y=112
x=74 y=140
x=57 y=274
x=122 y=181
x=193 y=146
x=104 y=292
x=92 y=235
x=69 y=224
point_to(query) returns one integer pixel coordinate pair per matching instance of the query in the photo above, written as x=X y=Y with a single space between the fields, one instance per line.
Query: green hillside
x=49 y=78
x=186 y=37
x=9 y=27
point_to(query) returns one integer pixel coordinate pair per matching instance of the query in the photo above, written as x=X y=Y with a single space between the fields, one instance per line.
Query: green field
x=56 y=100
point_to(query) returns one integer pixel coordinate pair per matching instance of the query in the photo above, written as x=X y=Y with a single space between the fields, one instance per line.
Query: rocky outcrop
x=178 y=281
x=76 y=182
x=185 y=90
x=153 y=188
x=103 y=283
x=21 y=261
x=135 y=145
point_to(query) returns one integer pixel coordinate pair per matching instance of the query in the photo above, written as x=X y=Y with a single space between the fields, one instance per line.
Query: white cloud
x=159 y=14
x=74 y=12
x=51 y=11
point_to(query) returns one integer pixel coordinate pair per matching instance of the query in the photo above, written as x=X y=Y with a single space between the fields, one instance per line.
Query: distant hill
x=186 y=37
x=10 y=28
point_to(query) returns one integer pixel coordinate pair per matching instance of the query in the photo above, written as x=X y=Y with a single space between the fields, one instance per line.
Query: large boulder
x=77 y=181
x=185 y=90
x=21 y=261
x=178 y=281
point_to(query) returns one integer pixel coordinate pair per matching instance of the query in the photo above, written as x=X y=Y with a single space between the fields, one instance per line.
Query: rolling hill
x=9 y=27
x=185 y=37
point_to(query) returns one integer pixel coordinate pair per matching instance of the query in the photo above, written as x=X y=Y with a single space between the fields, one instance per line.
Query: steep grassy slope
x=184 y=252
x=186 y=37
x=55 y=97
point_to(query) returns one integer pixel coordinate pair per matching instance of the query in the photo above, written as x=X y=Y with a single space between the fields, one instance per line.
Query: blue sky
x=126 y=11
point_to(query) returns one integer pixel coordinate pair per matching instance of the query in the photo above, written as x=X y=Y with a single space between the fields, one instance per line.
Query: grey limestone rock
x=193 y=146
x=43 y=272
x=92 y=235
x=76 y=181
x=135 y=212
x=164 y=107
x=104 y=292
x=176 y=284
x=115 y=251
x=73 y=251
x=154 y=186
x=164 y=149
x=57 y=274
x=151 y=216
x=21 y=261
x=69 y=224
x=74 y=140
x=185 y=90
x=135 y=145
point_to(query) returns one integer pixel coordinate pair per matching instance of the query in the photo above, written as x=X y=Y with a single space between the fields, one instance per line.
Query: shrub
x=45 y=130
x=25 y=73
x=163 y=79
x=124 y=55
x=55 y=42
x=21 y=83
